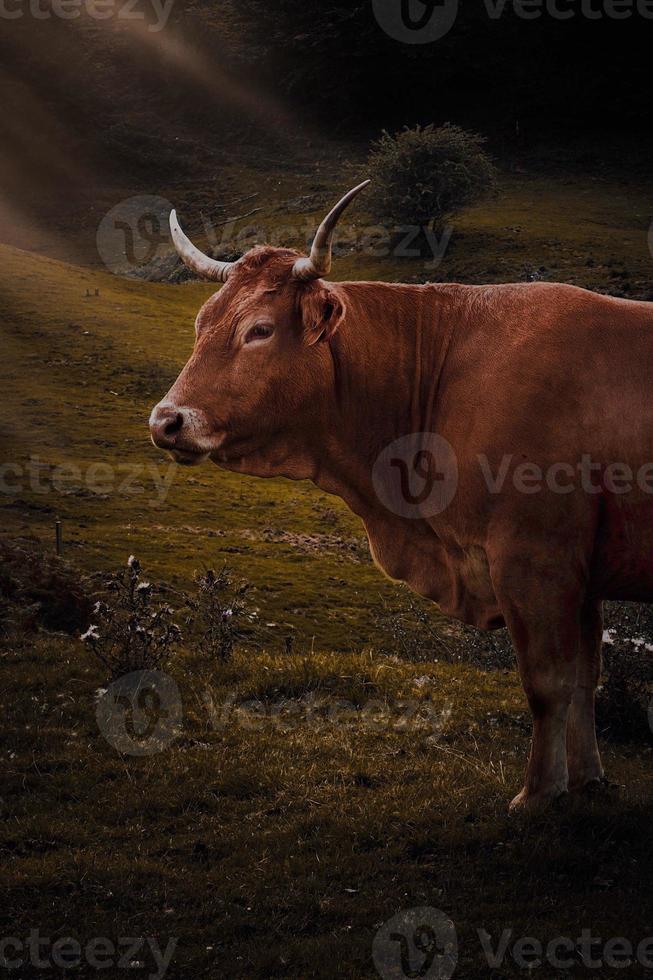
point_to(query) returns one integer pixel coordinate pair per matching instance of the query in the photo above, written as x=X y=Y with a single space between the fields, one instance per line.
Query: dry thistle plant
x=219 y=607
x=136 y=629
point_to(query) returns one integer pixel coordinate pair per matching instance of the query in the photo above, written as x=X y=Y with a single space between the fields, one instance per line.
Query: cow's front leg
x=583 y=759
x=544 y=623
x=549 y=692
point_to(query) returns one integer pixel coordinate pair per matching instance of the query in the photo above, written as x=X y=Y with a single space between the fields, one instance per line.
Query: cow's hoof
x=594 y=785
x=589 y=778
x=526 y=802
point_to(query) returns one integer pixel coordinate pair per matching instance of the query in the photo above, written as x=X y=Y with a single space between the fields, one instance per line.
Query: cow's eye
x=259 y=332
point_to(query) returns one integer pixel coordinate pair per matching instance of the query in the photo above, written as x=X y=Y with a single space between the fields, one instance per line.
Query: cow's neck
x=388 y=357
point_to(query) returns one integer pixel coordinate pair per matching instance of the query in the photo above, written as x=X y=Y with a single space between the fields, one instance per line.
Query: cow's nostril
x=167 y=425
x=173 y=425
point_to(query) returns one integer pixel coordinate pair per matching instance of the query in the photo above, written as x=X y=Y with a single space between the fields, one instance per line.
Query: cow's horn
x=192 y=257
x=319 y=262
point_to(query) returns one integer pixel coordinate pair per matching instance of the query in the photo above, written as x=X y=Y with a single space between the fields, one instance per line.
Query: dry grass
x=274 y=840
x=278 y=848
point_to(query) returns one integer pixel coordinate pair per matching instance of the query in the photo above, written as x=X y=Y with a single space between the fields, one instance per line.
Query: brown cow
x=497 y=442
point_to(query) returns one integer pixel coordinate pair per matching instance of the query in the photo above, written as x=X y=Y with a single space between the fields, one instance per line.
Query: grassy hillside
x=81 y=372
x=301 y=807
x=79 y=377
x=277 y=844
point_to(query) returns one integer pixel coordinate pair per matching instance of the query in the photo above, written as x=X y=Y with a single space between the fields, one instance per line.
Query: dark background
x=92 y=102
x=270 y=852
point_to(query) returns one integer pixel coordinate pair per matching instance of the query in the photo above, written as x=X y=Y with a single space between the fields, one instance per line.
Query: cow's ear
x=322 y=311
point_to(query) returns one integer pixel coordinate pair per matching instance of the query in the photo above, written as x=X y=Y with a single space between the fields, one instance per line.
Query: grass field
x=276 y=840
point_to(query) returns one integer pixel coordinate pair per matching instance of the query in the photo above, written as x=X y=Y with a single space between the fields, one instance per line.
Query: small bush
x=40 y=590
x=218 y=607
x=135 y=629
x=422 y=176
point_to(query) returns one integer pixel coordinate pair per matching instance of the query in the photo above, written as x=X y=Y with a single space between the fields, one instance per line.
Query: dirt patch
x=352 y=548
x=355 y=549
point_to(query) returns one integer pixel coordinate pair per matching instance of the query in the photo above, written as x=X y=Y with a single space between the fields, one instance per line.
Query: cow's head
x=251 y=396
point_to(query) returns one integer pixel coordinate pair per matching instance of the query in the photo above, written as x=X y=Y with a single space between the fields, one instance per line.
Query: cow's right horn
x=192 y=257
x=319 y=262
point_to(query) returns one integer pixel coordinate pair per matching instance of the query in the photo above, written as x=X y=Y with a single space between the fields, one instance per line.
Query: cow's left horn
x=192 y=257
x=319 y=262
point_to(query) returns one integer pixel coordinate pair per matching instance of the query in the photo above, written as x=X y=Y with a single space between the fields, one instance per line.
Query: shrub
x=135 y=629
x=421 y=176
x=218 y=607
x=40 y=590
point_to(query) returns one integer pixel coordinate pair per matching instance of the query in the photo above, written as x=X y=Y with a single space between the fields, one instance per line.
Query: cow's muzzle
x=180 y=431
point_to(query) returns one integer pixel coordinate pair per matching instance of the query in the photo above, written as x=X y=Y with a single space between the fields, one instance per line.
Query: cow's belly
x=457 y=580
